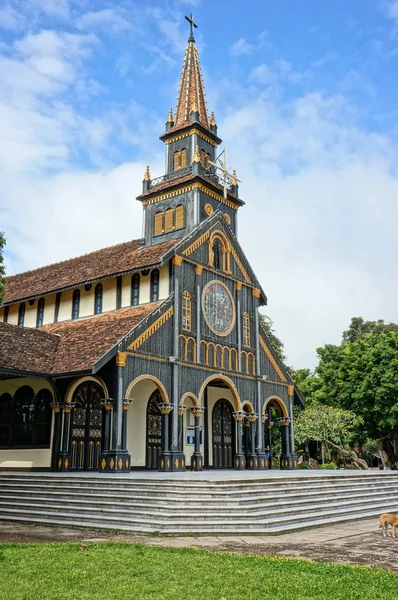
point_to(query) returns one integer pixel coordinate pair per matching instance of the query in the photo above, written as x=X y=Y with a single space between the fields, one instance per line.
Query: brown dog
x=386 y=520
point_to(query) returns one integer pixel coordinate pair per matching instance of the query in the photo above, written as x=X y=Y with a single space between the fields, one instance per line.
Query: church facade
x=149 y=354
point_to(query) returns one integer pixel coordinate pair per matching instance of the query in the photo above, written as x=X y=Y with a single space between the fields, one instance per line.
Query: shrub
x=277 y=463
x=304 y=465
x=330 y=465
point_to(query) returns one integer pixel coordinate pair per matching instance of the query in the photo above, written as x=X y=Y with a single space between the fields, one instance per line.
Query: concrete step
x=203 y=513
x=190 y=525
x=213 y=506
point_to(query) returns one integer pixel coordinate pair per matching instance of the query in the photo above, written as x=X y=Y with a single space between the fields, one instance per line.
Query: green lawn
x=132 y=572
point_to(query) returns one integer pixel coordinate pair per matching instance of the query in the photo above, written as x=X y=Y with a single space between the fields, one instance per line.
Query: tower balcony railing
x=170 y=176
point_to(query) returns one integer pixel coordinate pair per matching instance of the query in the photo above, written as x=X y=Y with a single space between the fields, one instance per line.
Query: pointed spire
x=147 y=176
x=191 y=88
x=212 y=119
x=234 y=177
x=170 y=116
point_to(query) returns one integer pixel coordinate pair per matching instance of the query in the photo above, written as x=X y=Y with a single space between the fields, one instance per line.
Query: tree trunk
x=358 y=462
x=323 y=453
x=388 y=447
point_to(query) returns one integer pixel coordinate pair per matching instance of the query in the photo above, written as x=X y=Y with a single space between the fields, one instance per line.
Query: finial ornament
x=213 y=119
x=147 y=176
x=234 y=178
x=192 y=25
x=196 y=157
x=170 y=116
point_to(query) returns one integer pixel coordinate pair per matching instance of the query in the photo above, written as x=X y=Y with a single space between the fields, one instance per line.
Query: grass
x=119 y=571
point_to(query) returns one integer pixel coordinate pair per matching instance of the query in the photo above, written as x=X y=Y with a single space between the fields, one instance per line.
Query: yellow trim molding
x=272 y=359
x=151 y=329
x=186 y=134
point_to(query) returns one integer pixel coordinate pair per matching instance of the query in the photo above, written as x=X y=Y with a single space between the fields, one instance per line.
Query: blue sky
x=305 y=97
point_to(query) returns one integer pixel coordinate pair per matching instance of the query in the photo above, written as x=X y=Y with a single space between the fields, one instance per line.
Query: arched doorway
x=276 y=432
x=223 y=428
x=153 y=431
x=87 y=426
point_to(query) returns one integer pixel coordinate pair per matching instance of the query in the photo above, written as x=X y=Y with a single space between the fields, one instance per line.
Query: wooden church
x=149 y=354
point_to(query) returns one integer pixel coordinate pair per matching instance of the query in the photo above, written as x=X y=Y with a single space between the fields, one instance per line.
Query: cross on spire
x=192 y=25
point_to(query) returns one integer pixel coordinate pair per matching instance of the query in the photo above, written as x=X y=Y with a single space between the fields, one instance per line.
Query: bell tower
x=190 y=190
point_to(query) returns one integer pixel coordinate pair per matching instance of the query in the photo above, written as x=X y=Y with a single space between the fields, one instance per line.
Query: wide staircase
x=178 y=506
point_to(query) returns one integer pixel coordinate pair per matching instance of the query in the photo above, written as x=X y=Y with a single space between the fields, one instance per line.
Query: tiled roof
x=68 y=347
x=83 y=342
x=26 y=349
x=100 y=264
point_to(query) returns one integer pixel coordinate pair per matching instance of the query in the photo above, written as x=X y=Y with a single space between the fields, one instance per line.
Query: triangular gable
x=191 y=243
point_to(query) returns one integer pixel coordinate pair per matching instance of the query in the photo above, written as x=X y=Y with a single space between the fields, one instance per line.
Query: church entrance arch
x=223 y=429
x=144 y=430
x=276 y=431
x=153 y=431
x=87 y=421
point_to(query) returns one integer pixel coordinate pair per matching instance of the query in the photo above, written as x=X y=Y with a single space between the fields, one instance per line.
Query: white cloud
x=53 y=8
x=393 y=10
x=261 y=74
x=241 y=47
x=11 y=18
x=109 y=20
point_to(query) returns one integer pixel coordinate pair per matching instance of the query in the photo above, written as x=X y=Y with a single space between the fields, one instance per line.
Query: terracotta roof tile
x=68 y=347
x=83 y=342
x=26 y=349
x=82 y=269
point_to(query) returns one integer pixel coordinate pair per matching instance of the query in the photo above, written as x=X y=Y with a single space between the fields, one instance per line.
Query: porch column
x=269 y=435
x=165 y=460
x=64 y=457
x=117 y=458
x=290 y=391
x=239 y=458
x=253 y=458
x=286 y=462
x=197 y=458
x=126 y=404
x=56 y=447
x=267 y=453
x=261 y=454
x=181 y=410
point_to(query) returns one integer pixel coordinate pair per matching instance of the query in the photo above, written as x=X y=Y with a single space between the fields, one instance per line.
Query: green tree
x=362 y=376
x=358 y=328
x=2 y=268
x=327 y=425
x=266 y=323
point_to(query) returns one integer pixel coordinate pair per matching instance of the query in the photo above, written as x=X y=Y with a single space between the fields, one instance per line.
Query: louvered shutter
x=180 y=221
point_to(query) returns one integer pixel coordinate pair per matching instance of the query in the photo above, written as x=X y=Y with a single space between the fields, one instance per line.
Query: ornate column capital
x=165 y=409
x=67 y=407
x=290 y=390
x=284 y=422
x=56 y=406
x=239 y=415
x=126 y=403
x=177 y=260
x=107 y=403
x=181 y=409
x=198 y=270
x=197 y=411
x=252 y=418
x=264 y=418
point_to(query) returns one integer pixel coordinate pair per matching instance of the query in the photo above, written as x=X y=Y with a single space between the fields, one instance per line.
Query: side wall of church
x=26 y=458
x=87 y=298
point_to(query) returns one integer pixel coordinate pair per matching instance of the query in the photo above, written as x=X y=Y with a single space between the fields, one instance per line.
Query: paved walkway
x=358 y=543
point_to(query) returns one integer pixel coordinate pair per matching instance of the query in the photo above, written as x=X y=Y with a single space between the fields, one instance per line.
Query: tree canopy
x=2 y=268
x=266 y=323
x=360 y=375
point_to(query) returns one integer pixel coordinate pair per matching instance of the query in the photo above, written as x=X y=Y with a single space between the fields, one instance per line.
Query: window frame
x=186 y=312
x=98 y=293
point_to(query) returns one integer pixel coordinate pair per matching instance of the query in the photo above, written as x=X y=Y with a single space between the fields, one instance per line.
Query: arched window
x=217 y=255
x=159 y=223
x=135 y=289
x=186 y=311
x=75 y=304
x=180 y=217
x=169 y=215
x=40 y=313
x=5 y=419
x=42 y=422
x=246 y=329
x=180 y=159
x=98 y=299
x=21 y=314
x=23 y=416
x=205 y=159
x=155 y=285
